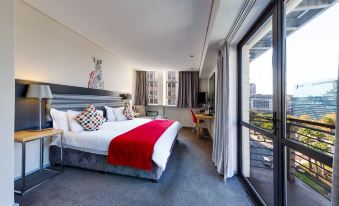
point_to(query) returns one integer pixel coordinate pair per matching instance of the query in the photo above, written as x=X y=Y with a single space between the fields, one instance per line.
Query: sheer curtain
x=141 y=88
x=224 y=144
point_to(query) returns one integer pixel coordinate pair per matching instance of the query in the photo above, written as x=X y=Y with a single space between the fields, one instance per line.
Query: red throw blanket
x=135 y=147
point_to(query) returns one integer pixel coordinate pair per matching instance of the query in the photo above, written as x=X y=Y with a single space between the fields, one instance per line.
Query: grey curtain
x=188 y=89
x=141 y=88
x=222 y=140
x=335 y=182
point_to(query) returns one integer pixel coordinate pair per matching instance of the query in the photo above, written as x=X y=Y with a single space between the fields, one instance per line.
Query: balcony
x=309 y=181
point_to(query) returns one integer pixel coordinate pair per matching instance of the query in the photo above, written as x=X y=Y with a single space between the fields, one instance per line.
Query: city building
x=253 y=89
x=261 y=103
x=315 y=99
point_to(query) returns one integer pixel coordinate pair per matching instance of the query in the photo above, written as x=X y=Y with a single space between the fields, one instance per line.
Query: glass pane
x=257 y=163
x=312 y=47
x=309 y=181
x=257 y=79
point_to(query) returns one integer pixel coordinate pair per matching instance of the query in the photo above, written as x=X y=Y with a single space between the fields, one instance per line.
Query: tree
x=329 y=119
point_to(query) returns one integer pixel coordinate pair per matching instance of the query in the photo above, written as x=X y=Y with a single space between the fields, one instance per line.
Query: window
x=171 y=88
x=257 y=111
x=152 y=87
x=287 y=96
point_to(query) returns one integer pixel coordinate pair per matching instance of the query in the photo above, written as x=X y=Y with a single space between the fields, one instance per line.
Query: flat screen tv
x=202 y=98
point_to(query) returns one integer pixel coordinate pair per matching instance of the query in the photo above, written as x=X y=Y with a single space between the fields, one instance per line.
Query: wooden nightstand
x=27 y=136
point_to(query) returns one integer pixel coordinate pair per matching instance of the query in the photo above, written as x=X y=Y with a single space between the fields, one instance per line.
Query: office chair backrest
x=194 y=119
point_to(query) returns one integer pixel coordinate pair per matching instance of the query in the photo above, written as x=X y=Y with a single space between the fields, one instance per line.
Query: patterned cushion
x=90 y=119
x=128 y=111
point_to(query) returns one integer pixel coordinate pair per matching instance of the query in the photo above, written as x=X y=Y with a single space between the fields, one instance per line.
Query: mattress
x=97 y=142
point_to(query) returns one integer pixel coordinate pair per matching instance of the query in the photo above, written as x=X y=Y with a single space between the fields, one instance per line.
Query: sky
x=312 y=54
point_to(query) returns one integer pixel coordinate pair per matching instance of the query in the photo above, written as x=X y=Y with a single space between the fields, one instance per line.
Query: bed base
x=96 y=162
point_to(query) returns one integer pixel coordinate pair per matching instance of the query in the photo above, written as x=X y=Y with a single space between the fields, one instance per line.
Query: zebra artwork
x=96 y=80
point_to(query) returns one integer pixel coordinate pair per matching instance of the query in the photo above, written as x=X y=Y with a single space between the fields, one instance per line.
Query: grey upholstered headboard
x=64 y=98
x=78 y=102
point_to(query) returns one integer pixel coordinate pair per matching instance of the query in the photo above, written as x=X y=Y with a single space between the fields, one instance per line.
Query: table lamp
x=40 y=92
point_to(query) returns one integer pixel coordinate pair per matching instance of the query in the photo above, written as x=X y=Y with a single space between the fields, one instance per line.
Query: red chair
x=195 y=120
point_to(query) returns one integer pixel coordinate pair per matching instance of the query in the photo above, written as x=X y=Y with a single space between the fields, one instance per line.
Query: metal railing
x=316 y=136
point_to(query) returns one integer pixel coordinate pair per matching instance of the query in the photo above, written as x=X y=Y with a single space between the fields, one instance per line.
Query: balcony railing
x=318 y=137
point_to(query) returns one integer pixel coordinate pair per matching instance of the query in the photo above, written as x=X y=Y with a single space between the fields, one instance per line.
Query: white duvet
x=97 y=142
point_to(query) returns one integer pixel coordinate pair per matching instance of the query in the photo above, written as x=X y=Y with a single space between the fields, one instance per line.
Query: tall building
x=261 y=102
x=253 y=89
x=315 y=99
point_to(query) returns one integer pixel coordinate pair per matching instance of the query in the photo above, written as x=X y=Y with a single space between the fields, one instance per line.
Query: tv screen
x=202 y=98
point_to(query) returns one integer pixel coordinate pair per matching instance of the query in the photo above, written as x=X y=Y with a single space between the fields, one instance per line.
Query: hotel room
x=173 y=102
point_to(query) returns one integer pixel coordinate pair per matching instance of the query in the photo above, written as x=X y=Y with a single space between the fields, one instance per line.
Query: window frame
x=169 y=84
x=151 y=98
x=276 y=10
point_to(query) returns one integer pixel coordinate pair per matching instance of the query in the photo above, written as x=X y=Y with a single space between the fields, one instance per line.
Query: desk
x=201 y=116
x=24 y=137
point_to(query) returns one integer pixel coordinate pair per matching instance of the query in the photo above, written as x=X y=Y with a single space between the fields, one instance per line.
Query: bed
x=88 y=149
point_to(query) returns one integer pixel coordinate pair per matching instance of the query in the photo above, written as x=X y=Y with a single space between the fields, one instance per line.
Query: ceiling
x=146 y=34
x=152 y=34
x=226 y=15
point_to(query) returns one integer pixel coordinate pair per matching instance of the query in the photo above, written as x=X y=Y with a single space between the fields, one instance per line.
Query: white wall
x=182 y=115
x=203 y=85
x=47 y=51
x=7 y=101
x=50 y=52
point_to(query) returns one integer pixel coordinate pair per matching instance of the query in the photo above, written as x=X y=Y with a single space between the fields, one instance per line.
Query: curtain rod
x=248 y=5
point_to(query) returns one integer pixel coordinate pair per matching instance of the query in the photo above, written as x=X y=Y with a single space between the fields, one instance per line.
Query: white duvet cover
x=97 y=142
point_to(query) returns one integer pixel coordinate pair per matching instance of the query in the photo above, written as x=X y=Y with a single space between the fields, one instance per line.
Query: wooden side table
x=24 y=137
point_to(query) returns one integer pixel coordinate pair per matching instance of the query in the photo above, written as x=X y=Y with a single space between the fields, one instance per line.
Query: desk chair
x=195 y=120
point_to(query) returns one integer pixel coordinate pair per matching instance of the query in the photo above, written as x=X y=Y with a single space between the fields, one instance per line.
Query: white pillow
x=100 y=112
x=73 y=124
x=60 y=120
x=110 y=114
x=118 y=112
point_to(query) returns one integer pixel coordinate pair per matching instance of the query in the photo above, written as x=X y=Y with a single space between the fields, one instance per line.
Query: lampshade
x=39 y=91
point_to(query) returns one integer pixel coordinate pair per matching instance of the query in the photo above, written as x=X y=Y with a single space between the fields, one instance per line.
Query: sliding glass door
x=312 y=49
x=288 y=80
x=257 y=111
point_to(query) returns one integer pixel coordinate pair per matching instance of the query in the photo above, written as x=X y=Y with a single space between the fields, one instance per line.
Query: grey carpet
x=190 y=179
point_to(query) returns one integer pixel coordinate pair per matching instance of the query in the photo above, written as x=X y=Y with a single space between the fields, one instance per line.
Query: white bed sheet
x=97 y=142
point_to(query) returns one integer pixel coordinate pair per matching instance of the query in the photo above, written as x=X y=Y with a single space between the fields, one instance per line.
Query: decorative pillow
x=118 y=112
x=101 y=112
x=60 y=120
x=90 y=119
x=110 y=114
x=128 y=111
x=73 y=124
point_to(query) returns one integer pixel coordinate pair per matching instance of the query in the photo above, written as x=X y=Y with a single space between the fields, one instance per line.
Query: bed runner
x=135 y=147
